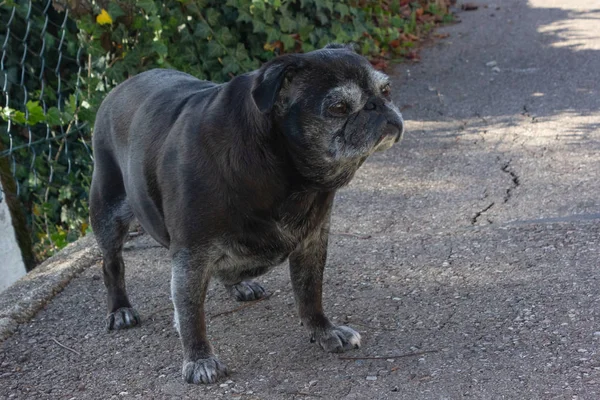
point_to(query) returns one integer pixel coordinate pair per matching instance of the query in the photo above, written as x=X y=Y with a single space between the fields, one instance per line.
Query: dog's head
x=333 y=109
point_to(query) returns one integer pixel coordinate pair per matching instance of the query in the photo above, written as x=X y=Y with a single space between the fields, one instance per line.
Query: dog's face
x=333 y=109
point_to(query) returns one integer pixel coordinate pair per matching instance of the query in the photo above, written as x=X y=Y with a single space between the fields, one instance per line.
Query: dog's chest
x=268 y=242
x=257 y=249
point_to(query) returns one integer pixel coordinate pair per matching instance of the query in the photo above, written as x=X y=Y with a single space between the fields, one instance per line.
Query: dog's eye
x=386 y=90
x=338 y=108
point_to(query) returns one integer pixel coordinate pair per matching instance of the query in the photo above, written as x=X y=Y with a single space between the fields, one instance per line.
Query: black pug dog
x=234 y=179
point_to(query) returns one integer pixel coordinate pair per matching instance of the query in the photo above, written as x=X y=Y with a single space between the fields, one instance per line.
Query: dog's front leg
x=307 y=263
x=189 y=282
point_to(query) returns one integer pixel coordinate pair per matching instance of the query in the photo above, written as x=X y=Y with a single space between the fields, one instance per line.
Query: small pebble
x=396 y=298
x=496 y=69
x=491 y=64
x=390 y=360
x=223 y=385
x=371 y=378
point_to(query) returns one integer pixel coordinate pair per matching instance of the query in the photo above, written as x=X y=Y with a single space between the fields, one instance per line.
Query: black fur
x=234 y=179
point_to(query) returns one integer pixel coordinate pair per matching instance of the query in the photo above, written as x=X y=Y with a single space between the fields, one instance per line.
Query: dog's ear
x=348 y=46
x=270 y=78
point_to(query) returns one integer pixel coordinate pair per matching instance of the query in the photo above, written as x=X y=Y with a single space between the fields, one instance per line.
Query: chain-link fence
x=45 y=158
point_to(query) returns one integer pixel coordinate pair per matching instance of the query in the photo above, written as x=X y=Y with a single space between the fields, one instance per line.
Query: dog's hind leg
x=246 y=291
x=110 y=215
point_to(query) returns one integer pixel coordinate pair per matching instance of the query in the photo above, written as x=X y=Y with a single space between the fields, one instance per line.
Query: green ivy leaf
x=225 y=36
x=36 y=113
x=342 y=9
x=307 y=46
x=114 y=10
x=212 y=17
x=397 y=22
x=161 y=49
x=240 y=52
x=9 y=114
x=288 y=42
x=53 y=117
x=287 y=24
x=214 y=49
x=258 y=26
x=269 y=16
x=64 y=193
x=272 y=34
x=244 y=16
x=148 y=6
x=322 y=17
x=202 y=30
x=230 y=65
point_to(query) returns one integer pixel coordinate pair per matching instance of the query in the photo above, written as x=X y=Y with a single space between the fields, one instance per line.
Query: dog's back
x=157 y=93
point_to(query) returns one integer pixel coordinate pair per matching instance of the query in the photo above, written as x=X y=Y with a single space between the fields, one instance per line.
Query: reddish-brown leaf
x=379 y=64
x=413 y=56
x=395 y=43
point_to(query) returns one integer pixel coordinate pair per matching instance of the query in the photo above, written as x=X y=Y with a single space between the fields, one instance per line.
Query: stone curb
x=22 y=300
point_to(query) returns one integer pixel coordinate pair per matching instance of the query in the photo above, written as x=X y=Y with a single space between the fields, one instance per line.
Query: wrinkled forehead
x=347 y=72
x=370 y=84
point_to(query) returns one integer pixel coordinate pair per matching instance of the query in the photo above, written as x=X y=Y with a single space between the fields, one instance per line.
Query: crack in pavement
x=515 y=182
x=480 y=213
x=514 y=178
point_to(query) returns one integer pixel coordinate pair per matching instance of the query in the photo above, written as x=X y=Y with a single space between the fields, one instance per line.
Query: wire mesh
x=47 y=147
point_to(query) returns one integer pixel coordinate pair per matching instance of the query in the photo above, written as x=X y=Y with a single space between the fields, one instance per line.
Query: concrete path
x=467 y=257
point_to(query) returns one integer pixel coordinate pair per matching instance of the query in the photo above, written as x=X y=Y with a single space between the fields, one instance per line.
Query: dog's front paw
x=122 y=318
x=337 y=339
x=247 y=291
x=204 y=370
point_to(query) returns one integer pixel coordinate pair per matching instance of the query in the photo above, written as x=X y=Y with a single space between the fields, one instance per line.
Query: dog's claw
x=122 y=318
x=247 y=291
x=204 y=370
x=337 y=339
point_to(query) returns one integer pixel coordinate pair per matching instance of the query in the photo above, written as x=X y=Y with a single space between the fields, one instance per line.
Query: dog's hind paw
x=337 y=339
x=204 y=370
x=247 y=291
x=122 y=318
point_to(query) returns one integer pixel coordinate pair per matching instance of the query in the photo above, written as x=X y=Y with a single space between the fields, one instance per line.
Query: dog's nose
x=398 y=123
x=395 y=127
